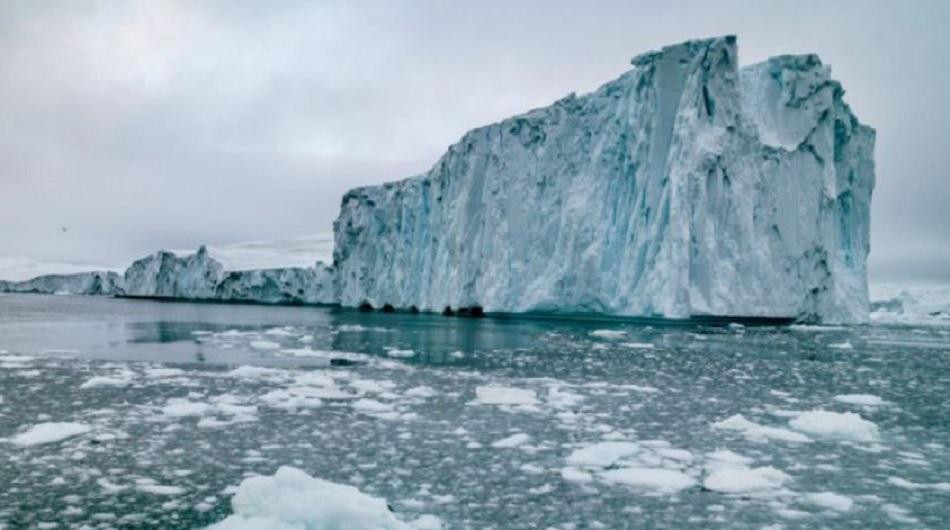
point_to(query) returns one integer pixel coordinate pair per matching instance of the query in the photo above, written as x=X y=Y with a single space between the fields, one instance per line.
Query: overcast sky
x=143 y=125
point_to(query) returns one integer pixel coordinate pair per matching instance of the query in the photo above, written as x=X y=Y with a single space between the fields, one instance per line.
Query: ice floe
x=290 y=499
x=747 y=480
x=835 y=425
x=829 y=500
x=756 y=432
x=49 y=432
x=866 y=400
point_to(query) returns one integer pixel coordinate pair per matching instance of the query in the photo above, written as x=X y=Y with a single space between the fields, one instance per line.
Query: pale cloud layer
x=141 y=125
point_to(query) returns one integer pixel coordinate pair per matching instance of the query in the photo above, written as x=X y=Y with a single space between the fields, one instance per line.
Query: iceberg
x=686 y=187
x=89 y=283
x=200 y=276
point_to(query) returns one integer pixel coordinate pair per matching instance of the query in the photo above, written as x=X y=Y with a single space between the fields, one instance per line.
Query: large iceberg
x=200 y=276
x=688 y=186
x=91 y=283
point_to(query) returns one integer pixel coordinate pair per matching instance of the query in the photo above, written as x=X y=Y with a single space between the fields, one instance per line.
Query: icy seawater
x=131 y=413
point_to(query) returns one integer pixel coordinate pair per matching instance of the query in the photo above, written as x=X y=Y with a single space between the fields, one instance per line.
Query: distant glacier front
x=686 y=187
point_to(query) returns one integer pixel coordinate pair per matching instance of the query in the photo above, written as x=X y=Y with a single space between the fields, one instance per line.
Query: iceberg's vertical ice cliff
x=91 y=283
x=199 y=276
x=687 y=186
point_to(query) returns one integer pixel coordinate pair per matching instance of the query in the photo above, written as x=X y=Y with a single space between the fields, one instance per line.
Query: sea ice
x=866 y=400
x=829 y=500
x=503 y=395
x=515 y=440
x=293 y=500
x=742 y=479
x=44 y=433
x=658 y=479
x=602 y=454
x=756 y=432
x=835 y=425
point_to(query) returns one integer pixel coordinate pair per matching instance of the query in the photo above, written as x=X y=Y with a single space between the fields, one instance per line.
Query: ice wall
x=687 y=186
x=199 y=276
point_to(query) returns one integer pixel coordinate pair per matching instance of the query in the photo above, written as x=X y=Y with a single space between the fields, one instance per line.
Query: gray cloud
x=168 y=124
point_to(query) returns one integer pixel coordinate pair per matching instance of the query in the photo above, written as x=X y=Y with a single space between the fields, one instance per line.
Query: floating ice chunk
x=280 y=332
x=371 y=406
x=756 y=432
x=898 y=514
x=725 y=456
x=836 y=425
x=658 y=479
x=611 y=334
x=110 y=487
x=421 y=392
x=602 y=454
x=841 y=345
x=159 y=373
x=866 y=400
x=293 y=500
x=638 y=345
x=101 y=380
x=562 y=399
x=572 y=474
x=396 y=352
x=745 y=479
x=514 y=440
x=44 y=433
x=829 y=500
x=182 y=408
x=505 y=395
x=264 y=345
x=256 y=372
x=158 y=489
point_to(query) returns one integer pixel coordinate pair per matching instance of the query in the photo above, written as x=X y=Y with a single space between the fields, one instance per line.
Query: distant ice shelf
x=687 y=187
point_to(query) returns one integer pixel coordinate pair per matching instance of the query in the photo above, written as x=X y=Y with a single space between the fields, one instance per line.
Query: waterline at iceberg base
x=686 y=187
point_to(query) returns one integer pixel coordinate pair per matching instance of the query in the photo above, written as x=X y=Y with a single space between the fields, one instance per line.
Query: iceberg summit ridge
x=686 y=187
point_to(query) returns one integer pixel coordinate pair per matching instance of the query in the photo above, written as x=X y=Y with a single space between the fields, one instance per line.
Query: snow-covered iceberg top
x=687 y=186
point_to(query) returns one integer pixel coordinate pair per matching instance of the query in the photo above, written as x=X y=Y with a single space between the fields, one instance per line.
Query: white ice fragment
x=572 y=474
x=743 y=479
x=264 y=345
x=158 y=489
x=836 y=425
x=602 y=454
x=658 y=479
x=611 y=334
x=49 y=432
x=514 y=440
x=101 y=381
x=866 y=400
x=504 y=395
x=829 y=500
x=293 y=500
x=756 y=432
